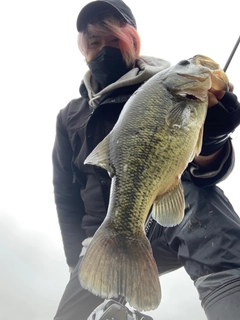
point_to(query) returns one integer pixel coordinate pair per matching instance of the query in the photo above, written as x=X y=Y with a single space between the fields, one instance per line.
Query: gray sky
x=41 y=69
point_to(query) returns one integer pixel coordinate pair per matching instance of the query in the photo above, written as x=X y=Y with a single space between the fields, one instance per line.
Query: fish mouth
x=219 y=79
x=218 y=76
x=205 y=61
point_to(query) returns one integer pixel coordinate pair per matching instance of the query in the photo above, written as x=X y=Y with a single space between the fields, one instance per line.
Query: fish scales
x=158 y=133
x=148 y=148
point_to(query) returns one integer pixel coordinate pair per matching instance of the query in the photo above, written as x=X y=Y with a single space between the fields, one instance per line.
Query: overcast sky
x=41 y=69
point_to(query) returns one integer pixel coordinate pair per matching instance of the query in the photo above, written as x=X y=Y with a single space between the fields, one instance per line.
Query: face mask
x=108 y=65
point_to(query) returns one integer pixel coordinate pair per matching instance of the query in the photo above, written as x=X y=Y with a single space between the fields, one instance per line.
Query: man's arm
x=210 y=162
x=69 y=205
x=216 y=160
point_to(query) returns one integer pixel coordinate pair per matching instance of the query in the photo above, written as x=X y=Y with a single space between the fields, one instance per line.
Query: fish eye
x=184 y=62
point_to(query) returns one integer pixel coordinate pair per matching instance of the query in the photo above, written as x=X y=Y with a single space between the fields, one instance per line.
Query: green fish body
x=158 y=133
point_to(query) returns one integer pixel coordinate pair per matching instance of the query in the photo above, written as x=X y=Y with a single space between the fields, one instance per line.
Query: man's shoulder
x=75 y=110
x=152 y=64
x=76 y=105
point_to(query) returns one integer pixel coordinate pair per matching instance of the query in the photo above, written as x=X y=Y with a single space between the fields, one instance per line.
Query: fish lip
x=203 y=77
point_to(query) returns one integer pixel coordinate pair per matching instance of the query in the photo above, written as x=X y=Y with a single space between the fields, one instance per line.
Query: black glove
x=222 y=119
x=111 y=309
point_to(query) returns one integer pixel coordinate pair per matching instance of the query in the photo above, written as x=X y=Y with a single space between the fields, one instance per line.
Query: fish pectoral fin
x=115 y=264
x=179 y=115
x=168 y=209
x=100 y=156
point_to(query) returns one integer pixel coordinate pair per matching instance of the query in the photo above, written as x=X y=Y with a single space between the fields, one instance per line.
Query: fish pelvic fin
x=116 y=265
x=100 y=156
x=168 y=209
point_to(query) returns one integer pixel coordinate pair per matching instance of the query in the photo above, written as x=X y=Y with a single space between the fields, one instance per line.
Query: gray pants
x=206 y=244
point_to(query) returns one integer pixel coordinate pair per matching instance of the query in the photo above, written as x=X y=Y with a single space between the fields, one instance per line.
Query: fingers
x=230 y=87
x=217 y=93
x=212 y=99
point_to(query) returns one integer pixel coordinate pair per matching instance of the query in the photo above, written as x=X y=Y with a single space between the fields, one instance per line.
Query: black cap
x=94 y=8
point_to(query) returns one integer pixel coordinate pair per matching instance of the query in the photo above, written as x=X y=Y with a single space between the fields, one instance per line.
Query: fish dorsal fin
x=179 y=115
x=100 y=156
x=168 y=209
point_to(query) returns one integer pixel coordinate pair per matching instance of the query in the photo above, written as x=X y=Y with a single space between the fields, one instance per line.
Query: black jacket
x=82 y=191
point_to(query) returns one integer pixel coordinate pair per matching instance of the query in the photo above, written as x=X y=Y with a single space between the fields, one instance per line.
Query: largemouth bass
x=158 y=133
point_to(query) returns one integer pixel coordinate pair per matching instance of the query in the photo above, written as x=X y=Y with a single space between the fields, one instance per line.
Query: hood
x=145 y=68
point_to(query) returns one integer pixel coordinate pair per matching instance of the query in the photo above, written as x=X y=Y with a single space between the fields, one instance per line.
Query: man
x=109 y=41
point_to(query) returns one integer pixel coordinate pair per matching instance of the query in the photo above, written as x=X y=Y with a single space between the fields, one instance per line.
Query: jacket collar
x=145 y=68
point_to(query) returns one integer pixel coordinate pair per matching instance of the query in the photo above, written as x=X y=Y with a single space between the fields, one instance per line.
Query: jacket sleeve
x=221 y=121
x=70 y=208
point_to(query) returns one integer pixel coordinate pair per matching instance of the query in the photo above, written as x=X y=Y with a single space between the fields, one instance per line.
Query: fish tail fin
x=168 y=209
x=118 y=266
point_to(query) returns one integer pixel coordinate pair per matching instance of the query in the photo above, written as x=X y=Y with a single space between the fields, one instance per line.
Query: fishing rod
x=231 y=55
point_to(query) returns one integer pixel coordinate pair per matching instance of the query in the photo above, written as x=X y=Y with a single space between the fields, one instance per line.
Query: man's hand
x=212 y=160
x=215 y=95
